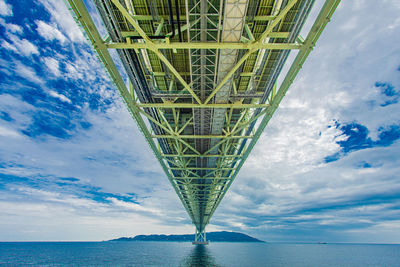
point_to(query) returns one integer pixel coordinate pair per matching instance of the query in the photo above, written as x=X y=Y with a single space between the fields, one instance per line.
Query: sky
x=74 y=166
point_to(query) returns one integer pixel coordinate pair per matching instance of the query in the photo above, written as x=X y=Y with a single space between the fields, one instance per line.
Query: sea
x=186 y=254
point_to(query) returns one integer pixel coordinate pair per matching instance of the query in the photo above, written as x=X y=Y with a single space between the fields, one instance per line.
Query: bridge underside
x=202 y=78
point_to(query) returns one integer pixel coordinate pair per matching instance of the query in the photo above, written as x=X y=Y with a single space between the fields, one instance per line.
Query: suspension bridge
x=202 y=80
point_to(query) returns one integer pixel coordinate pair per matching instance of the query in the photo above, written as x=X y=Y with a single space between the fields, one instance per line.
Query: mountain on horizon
x=221 y=236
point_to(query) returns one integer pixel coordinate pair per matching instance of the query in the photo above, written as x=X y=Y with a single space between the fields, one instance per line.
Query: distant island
x=222 y=236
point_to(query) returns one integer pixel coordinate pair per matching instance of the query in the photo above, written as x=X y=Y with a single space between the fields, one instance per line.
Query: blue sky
x=73 y=165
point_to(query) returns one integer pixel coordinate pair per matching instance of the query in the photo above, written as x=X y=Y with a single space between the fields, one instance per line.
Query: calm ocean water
x=185 y=254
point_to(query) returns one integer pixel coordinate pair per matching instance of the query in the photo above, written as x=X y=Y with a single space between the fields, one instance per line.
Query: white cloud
x=81 y=219
x=27 y=73
x=5 y=9
x=101 y=143
x=17 y=109
x=52 y=65
x=72 y=72
x=8 y=46
x=49 y=32
x=20 y=46
x=60 y=96
x=63 y=18
x=8 y=132
x=26 y=47
x=133 y=206
x=14 y=28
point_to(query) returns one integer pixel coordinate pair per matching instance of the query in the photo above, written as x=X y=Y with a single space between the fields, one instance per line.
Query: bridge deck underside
x=202 y=77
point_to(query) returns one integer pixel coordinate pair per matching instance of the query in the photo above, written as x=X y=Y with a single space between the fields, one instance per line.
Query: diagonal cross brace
x=253 y=48
x=153 y=48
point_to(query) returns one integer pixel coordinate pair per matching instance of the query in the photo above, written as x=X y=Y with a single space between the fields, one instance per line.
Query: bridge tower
x=202 y=80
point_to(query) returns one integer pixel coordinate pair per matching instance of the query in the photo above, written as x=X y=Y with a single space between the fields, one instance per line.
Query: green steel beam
x=166 y=17
x=177 y=45
x=150 y=45
x=189 y=105
x=248 y=74
x=279 y=35
x=249 y=33
x=202 y=168
x=181 y=136
x=202 y=185
x=158 y=30
x=260 y=41
x=168 y=130
x=206 y=178
x=201 y=156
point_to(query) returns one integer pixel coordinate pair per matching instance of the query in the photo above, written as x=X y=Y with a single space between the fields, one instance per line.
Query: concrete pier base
x=200 y=238
x=200 y=243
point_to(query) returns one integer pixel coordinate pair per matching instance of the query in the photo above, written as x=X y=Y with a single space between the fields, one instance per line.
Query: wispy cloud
x=13 y=28
x=20 y=46
x=49 y=32
x=52 y=65
x=5 y=9
x=64 y=20
x=8 y=132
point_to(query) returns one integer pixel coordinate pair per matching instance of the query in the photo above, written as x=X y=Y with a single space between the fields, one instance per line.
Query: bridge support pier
x=200 y=238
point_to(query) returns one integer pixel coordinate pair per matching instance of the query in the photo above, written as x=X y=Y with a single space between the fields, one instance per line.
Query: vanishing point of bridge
x=202 y=80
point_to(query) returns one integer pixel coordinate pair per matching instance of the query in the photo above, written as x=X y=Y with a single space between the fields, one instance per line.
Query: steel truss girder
x=188 y=105
x=201 y=188
x=202 y=136
x=149 y=17
x=201 y=156
x=251 y=47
